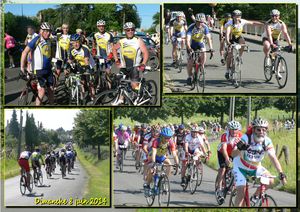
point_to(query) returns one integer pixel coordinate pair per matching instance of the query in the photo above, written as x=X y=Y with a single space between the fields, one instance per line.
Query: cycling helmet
x=275 y=12
x=181 y=127
x=144 y=126
x=128 y=127
x=137 y=125
x=123 y=128
x=120 y=126
x=234 y=125
x=155 y=129
x=201 y=130
x=166 y=132
x=75 y=37
x=129 y=25
x=200 y=17
x=237 y=13
x=100 y=23
x=180 y=14
x=45 y=26
x=194 y=129
x=259 y=122
x=227 y=15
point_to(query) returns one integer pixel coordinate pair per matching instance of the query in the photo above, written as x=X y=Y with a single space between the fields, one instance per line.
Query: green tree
x=287 y=104
x=14 y=125
x=31 y=132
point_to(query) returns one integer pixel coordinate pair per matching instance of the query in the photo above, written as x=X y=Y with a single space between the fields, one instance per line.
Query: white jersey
x=275 y=29
x=236 y=28
x=130 y=53
x=193 y=143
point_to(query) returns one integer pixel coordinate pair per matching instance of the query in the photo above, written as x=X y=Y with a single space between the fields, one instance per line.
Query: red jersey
x=230 y=141
x=163 y=148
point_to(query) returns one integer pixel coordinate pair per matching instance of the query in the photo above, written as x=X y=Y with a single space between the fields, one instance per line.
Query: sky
x=51 y=118
x=146 y=11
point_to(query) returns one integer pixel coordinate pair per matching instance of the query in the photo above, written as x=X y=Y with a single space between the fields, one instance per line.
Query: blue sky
x=146 y=11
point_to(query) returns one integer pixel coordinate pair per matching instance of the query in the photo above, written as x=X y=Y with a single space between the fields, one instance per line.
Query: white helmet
x=275 y=12
x=259 y=122
x=236 y=13
x=201 y=129
x=45 y=26
x=123 y=128
x=180 y=14
x=234 y=125
x=129 y=25
x=200 y=17
x=100 y=22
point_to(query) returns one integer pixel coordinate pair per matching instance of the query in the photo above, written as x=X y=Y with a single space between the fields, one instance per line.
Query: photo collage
x=149 y=106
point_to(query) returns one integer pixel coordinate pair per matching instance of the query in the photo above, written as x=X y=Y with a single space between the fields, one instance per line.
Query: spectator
x=10 y=45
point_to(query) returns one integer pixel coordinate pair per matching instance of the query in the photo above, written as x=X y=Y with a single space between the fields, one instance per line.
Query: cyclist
x=147 y=145
x=158 y=153
x=80 y=53
x=272 y=32
x=36 y=157
x=222 y=23
x=167 y=19
x=178 y=28
x=179 y=137
x=193 y=145
x=142 y=133
x=31 y=34
x=248 y=155
x=123 y=139
x=133 y=57
x=196 y=34
x=62 y=48
x=201 y=135
x=234 y=30
x=228 y=141
x=40 y=48
x=136 y=135
x=53 y=160
x=24 y=164
x=63 y=161
x=70 y=156
x=103 y=42
x=48 y=163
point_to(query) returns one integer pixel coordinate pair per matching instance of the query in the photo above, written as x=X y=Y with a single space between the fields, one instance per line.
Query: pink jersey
x=9 y=42
x=123 y=137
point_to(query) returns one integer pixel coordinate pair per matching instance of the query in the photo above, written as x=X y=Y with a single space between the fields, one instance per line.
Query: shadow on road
x=34 y=195
x=184 y=203
x=11 y=97
x=69 y=178
x=43 y=186
x=128 y=191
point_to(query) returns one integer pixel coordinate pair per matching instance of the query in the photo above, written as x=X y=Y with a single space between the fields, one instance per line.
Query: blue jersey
x=41 y=53
x=70 y=154
x=197 y=34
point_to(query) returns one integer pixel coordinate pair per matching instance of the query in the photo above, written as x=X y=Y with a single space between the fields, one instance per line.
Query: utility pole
x=249 y=111
x=20 y=134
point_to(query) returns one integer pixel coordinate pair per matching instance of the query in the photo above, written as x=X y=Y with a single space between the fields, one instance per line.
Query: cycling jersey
x=9 y=42
x=179 y=138
x=36 y=156
x=275 y=29
x=130 y=53
x=230 y=141
x=41 y=53
x=197 y=33
x=80 y=54
x=236 y=28
x=142 y=136
x=62 y=46
x=69 y=154
x=123 y=138
x=223 y=21
x=25 y=155
x=193 y=143
x=103 y=42
x=162 y=148
x=178 y=25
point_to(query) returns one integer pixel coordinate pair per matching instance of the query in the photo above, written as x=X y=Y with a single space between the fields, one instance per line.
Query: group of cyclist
x=130 y=55
x=65 y=157
x=196 y=35
x=242 y=151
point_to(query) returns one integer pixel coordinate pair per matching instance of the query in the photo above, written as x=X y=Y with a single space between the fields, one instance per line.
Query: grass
x=99 y=175
x=9 y=168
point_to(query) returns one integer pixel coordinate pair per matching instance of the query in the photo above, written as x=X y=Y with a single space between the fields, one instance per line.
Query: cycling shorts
x=131 y=73
x=275 y=41
x=36 y=164
x=160 y=159
x=237 y=40
x=221 y=160
x=24 y=164
x=197 y=45
x=45 y=78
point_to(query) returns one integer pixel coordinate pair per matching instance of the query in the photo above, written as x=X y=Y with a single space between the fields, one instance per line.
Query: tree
x=14 y=129
x=31 y=132
x=288 y=104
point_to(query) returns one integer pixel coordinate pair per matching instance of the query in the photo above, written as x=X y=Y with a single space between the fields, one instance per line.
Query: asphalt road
x=128 y=190
x=253 y=80
x=72 y=186
x=14 y=85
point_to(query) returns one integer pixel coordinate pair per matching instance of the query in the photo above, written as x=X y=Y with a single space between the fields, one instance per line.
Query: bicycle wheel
x=281 y=70
x=150 y=92
x=194 y=179
x=25 y=98
x=229 y=177
x=30 y=182
x=237 y=72
x=268 y=69
x=187 y=178
x=48 y=172
x=201 y=80
x=232 y=198
x=267 y=201
x=150 y=197
x=106 y=97
x=164 y=191
x=23 y=185
x=200 y=170
x=35 y=178
x=179 y=60
x=153 y=62
x=121 y=161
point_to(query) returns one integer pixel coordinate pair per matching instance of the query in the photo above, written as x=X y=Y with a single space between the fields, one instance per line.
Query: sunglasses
x=261 y=129
x=130 y=30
